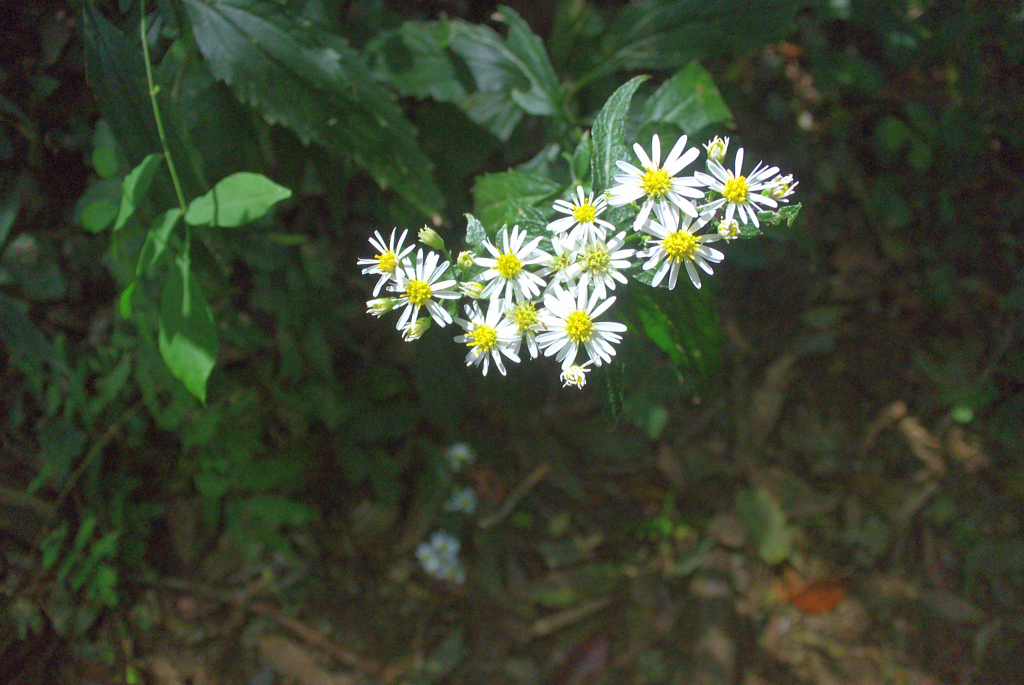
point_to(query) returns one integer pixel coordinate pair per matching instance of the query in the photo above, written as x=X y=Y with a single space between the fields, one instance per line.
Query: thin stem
x=153 y=90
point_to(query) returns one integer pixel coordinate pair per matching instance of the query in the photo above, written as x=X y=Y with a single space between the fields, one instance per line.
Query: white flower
x=380 y=306
x=568 y=324
x=472 y=290
x=440 y=557
x=416 y=329
x=716 y=148
x=600 y=263
x=458 y=455
x=780 y=188
x=657 y=183
x=525 y=316
x=728 y=230
x=561 y=266
x=677 y=245
x=490 y=337
x=575 y=375
x=462 y=501
x=508 y=267
x=389 y=260
x=465 y=260
x=739 y=193
x=420 y=288
x=582 y=223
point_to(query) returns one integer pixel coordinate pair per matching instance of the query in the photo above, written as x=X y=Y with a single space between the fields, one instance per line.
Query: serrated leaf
x=495 y=74
x=608 y=133
x=235 y=201
x=544 y=97
x=690 y=100
x=99 y=205
x=475 y=231
x=314 y=83
x=188 y=335
x=787 y=213
x=502 y=198
x=666 y=34
x=135 y=186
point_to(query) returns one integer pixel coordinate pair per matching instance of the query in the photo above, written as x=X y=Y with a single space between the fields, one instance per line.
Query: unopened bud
x=415 y=330
x=716 y=148
x=472 y=290
x=465 y=260
x=430 y=238
x=380 y=306
x=780 y=187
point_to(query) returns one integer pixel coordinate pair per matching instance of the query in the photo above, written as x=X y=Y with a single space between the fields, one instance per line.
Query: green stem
x=153 y=90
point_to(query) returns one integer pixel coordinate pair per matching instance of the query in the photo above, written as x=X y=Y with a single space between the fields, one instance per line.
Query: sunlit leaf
x=188 y=336
x=135 y=186
x=608 y=133
x=236 y=200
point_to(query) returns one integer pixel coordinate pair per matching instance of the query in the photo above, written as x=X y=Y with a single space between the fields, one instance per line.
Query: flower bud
x=716 y=148
x=415 y=330
x=380 y=306
x=430 y=238
x=574 y=375
x=465 y=260
x=472 y=290
x=780 y=187
x=728 y=230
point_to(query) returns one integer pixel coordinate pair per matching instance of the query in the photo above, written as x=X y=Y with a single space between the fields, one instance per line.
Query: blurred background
x=821 y=481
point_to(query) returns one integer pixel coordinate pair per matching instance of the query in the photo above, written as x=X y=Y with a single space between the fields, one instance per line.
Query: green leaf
x=314 y=83
x=156 y=240
x=235 y=201
x=98 y=206
x=27 y=348
x=666 y=34
x=683 y=322
x=135 y=186
x=544 y=98
x=475 y=231
x=188 y=335
x=581 y=158
x=412 y=58
x=608 y=133
x=105 y=157
x=762 y=514
x=787 y=213
x=500 y=198
x=689 y=99
x=9 y=213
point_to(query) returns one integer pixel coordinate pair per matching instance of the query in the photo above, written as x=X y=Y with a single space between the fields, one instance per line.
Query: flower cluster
x=547 y=294
x=440 y=557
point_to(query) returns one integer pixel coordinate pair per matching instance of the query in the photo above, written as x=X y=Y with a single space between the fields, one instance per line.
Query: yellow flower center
x=525 y=315
x=417 y=291
x=656 y=182
x=578 y=326
x=482 y=339
x=585 y=213
x=596 y=259
x=509 y=266
x=386 y=262
x=736 y=190
x=679 y=246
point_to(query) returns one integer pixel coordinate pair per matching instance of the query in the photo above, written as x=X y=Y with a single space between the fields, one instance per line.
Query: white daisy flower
x=419 y=285
x=568 y=324
x=488 y=337
x=508 y=267
x=676 y=245
x=389 y=260
x=525 y=316
x=462 y=501
x=780 y=188
x=657 y=183
x=458 y=455
x=416 y=329
x=561 y=266
x=600 y=263
x=582 y=224
x=739 y=193
x=380 y=306
x=716 y=148
x=575 y=375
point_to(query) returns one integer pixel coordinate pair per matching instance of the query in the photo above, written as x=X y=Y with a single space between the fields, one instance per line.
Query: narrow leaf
x=689 y=99
x=188 y=336
x=135 y=186
x=609 y=131
x=235 y=201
